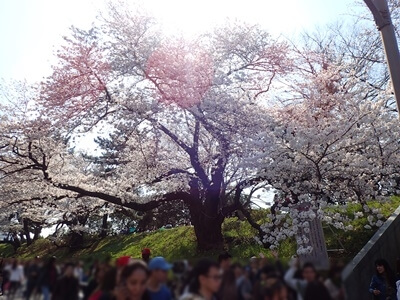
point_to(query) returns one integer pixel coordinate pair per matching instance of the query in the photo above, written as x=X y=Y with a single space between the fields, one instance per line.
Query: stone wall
x=384 y=244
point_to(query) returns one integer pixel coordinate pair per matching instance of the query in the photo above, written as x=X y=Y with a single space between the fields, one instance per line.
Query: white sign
x=314 y=241
x=318 y=256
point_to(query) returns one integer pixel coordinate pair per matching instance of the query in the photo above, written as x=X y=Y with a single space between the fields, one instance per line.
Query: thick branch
x=118 y=201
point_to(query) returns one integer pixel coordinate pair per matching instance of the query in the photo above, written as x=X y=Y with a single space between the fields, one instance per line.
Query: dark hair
x=202 y=267
x=15 y=264
x=129 y=269
x=309 y=265
x=109 y=281
x=51 y=262
x=269 y=270
x=334 y=271
x=236 y=265
x=388 y=271
x=228 y=288
x=224 y=256
x=271 y=287
x=316 y=290
x=69 y=264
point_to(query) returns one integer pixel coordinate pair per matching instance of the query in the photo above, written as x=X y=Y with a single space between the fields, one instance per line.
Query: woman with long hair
x=383 y=283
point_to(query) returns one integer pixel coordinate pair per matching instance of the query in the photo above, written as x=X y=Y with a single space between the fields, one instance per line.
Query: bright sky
x=30 y=30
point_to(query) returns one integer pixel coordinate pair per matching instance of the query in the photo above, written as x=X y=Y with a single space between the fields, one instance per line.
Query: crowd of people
x=157 y=279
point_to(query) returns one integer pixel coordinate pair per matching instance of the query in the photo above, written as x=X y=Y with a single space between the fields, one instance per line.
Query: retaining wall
x=384 y=244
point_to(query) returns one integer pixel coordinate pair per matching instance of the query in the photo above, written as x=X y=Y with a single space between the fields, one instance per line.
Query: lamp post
x=381 y=13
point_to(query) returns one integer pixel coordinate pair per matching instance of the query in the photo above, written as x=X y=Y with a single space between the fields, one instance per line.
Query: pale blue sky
x=30 y=30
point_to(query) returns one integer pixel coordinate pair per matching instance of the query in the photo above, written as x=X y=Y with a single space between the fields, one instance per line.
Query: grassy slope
x=179 y=243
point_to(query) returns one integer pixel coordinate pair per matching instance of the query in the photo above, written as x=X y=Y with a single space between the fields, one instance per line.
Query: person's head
x=274 y=289
x=383 y=269
x=109 y=279
x=206 y=275
x=134 y=278
x=159 y=268
x=122 y=261
x=101 y=271
x=381 y=266
x=51 y=262
x=146 y=253
x=224 y=260
x=246 y=271
x=308 y=272
x=237 y=269
x=14 y=263
x=267 y=271
x=335 y=272
x=69 y=270
x=254 y=263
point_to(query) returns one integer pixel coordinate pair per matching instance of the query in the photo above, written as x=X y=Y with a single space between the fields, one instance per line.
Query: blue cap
x=159 y=263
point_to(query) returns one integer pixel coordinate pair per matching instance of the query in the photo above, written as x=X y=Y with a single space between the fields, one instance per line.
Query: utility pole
x=381 y=13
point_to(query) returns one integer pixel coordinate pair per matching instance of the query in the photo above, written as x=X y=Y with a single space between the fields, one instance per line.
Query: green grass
x=6 y=250
x=354 y=240
x=179 y=243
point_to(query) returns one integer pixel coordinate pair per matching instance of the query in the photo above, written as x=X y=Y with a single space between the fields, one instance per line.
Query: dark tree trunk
x=207 y=222
x=22 y=237
x=76 y=240
x=104 y=226
x=14 y=241
x=27 y=232
x=208 y=232
x=37 y=231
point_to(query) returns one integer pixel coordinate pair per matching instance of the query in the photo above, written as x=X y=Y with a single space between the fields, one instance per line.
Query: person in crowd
x=1 y=276
x=181 y=270
x=47 y=278
x=225 y=261
x=66 y=287
x=266 y=277
x=94 y=283
x=254 y=268
x=316 y=290
x=383 y=283
x=80 y=274
x=107 y=284
x=123 y=261
x=334 y=283
x=308 y=274
x=5 y=275
x=228 y=286
x=32 y=275
x=132 y=284
x=156 y=285
x=228 y=290
x=16 y=278
x=243 y=283
x=146 y=253
x=120 y=263
x=206 y=281
x=398 y=278
x=273 y=289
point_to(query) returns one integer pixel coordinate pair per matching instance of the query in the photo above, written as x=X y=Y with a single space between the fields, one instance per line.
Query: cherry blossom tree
x=176 y=117
x=197 y=122
x=330 y=147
